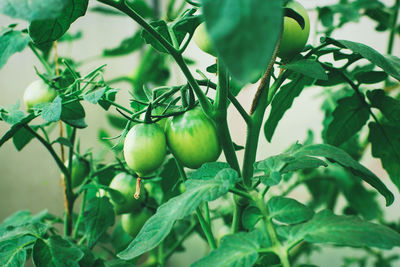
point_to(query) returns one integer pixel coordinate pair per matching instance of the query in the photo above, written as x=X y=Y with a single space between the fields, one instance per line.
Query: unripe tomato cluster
x=192 y=139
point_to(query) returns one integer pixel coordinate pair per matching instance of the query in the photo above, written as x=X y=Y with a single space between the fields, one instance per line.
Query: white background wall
x=30 y=180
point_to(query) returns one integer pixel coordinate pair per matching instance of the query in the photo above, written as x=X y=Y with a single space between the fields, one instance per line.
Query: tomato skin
x=294 y=38
x=126 y=185
x=80 y=169
x=38 y=92
x=133 y=222
x=203 y=41
x=145 y=148
x=192 y=138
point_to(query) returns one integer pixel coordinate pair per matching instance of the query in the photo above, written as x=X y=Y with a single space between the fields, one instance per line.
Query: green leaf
x=48 y=30
x=51 y=112
x=345 y=160
x=251 y=215
x=98 y=216
x=326 y=227
x=16 y=127
x=287 y=210
x=159 y=225
x=94 y=96
x=21 y=138
x=307 y=67
x=56 y=252
x=349 y=117
x=237 y=250
x=72 y=110
x=385 y=144
x=370 y=77
x=244 y=34
x=13 y=114
x=13 y=252
x=169 y=177
x=127 y=46
x=281 y=102
x=374 y=56
x=274 y=166
x=11 y=42
x=32 y=9
x=389 y=106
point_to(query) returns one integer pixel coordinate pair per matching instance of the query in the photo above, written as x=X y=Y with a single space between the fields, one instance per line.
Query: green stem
x=41 y=59
x=394 y=17
x=206 y=228
x=220 y=118
x=80 y=217
x=237 y=215
x=276 y=245
x=253 y=133
x=58 y=161
x=118 y=106
x=160 y=256
x=240 y=193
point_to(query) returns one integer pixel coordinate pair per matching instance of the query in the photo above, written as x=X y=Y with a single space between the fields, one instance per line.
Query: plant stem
x=394 y=17
x=160 y=256
x=80 y=217
x=277 y=247
x=69 y=194
x=220 y=118
x=41 y=59
x=206 y=228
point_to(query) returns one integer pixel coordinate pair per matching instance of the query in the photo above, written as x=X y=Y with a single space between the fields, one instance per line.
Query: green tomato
x=294 y=38
x=192 y=138
x=38 y=92
x=145 y=148
x=80 y=169
x=203 y=41
x=133 y=222
x=126 y=185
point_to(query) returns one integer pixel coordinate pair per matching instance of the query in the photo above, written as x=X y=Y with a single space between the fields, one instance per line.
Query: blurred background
x=30 y=179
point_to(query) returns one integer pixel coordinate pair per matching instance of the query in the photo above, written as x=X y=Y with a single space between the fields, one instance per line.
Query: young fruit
x=126 y=185
x=133 y=222
x=38 y=92
x=203 y=41
x=192 y=138
x=80 y=169
x=145 y=148
x=294 y=38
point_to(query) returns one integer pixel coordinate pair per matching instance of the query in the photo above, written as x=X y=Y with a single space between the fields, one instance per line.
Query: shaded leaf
x=385 y=144
x=349 y=117
x=56 y=252
x=32 y=9
x=233 y=30
x=307 y=67
x=325 y=227
x=281 y=102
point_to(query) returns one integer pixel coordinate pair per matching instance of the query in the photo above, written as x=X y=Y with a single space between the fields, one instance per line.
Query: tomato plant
x=189 y=147
x=193 y=139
